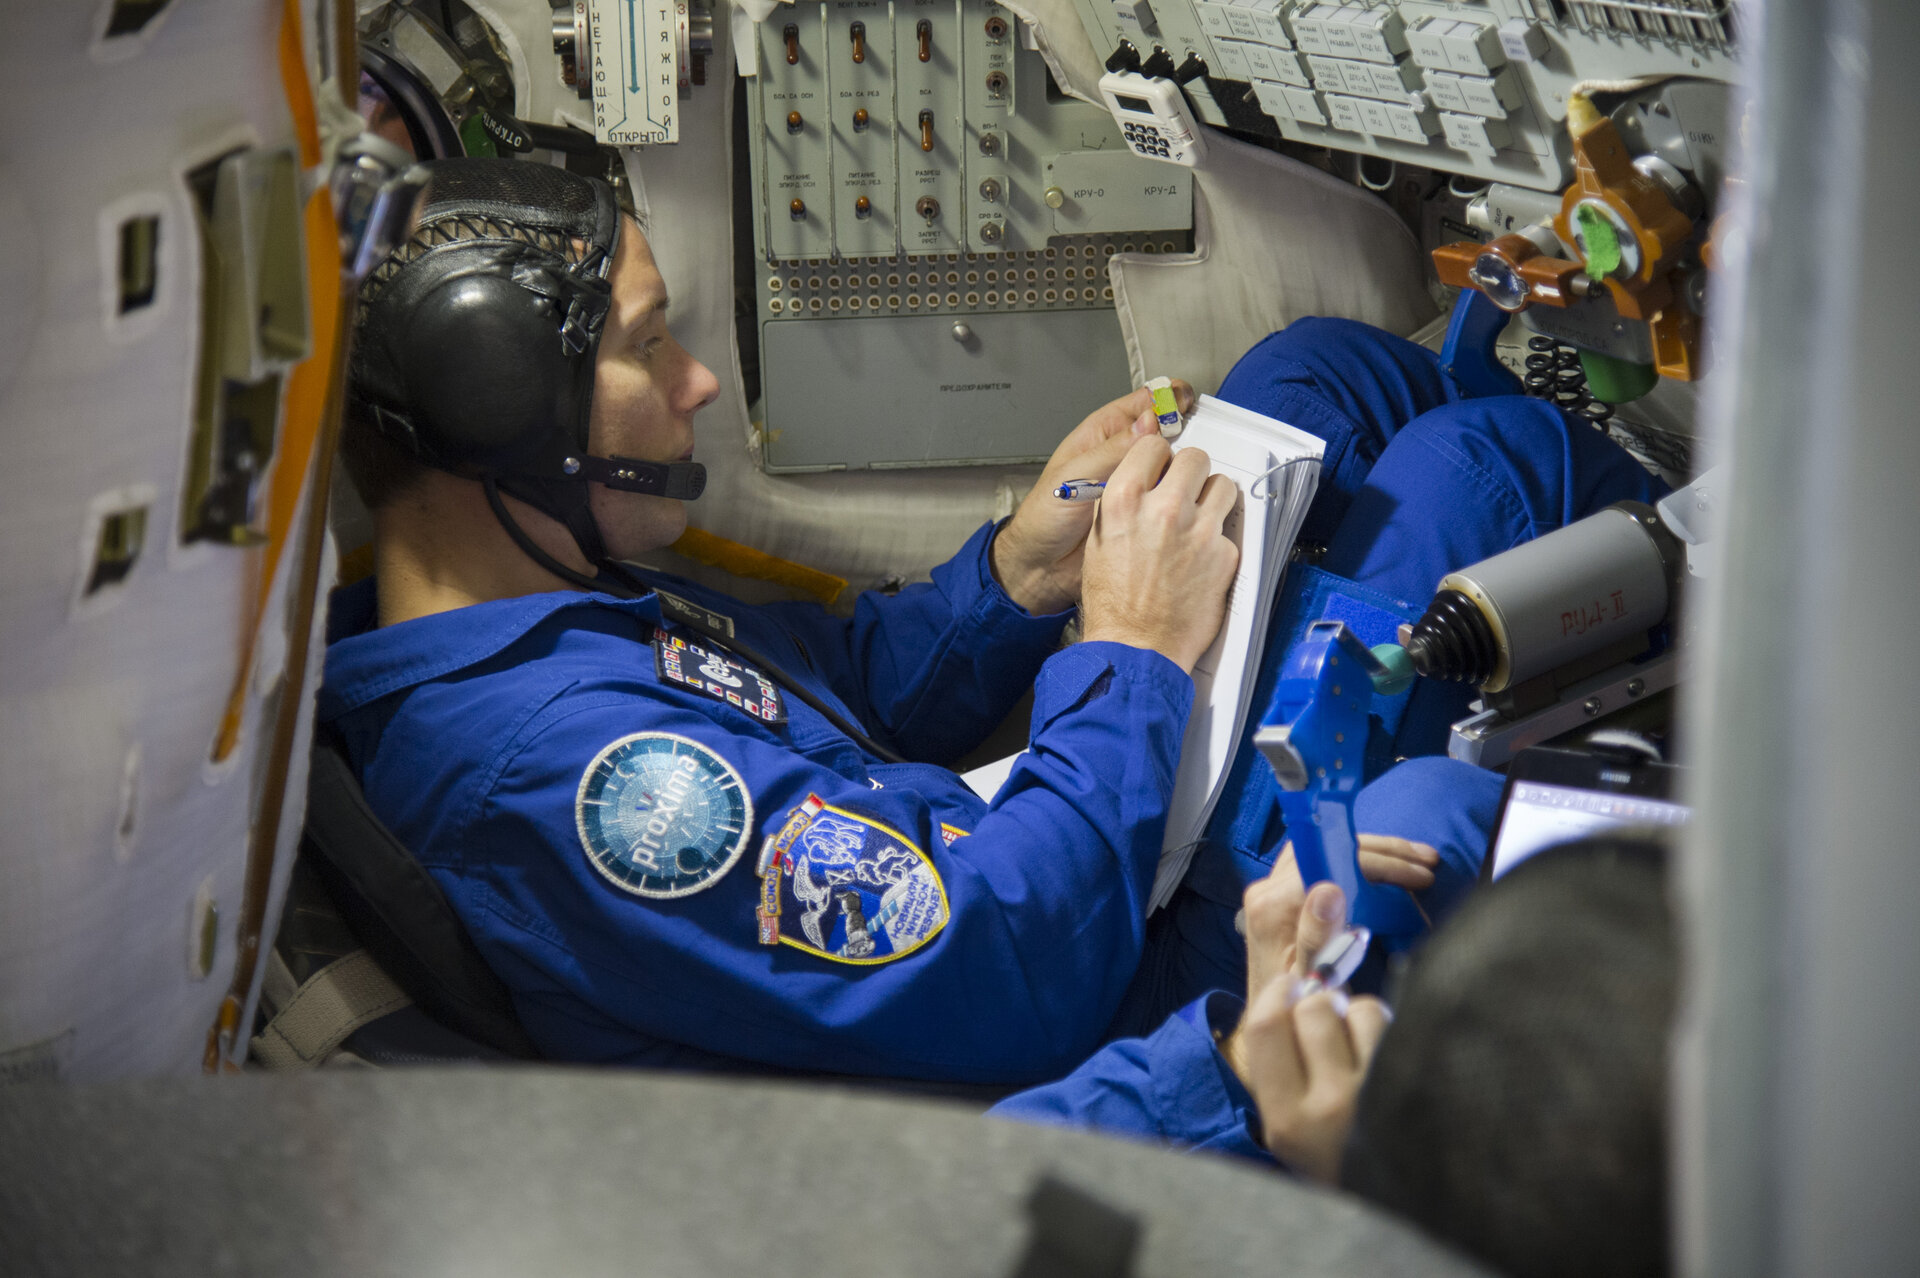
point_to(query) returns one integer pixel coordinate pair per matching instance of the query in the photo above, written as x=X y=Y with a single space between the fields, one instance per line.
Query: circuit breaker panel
x=1477 y=87
x=932 y=221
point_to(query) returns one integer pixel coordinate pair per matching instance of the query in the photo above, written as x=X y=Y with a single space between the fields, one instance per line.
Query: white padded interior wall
x=1057 y=33
x=114 y=825
x=1275 y=240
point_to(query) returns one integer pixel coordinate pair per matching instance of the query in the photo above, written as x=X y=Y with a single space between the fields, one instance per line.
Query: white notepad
x=1253 y=451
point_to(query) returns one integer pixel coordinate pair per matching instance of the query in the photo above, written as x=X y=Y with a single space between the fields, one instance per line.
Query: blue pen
x=1080 y=490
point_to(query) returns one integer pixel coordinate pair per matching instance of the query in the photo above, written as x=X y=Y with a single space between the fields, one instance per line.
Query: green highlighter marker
x=1165 y=406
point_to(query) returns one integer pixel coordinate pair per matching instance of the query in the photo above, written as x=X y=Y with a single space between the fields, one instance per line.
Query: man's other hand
x=1304 y=1062
x=1158 y=563
x=1037 y=556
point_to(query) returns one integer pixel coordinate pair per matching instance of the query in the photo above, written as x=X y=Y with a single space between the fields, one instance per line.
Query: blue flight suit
x=1170 y=1085
x=516 y=746
x=1417 y=480
x=594 y=799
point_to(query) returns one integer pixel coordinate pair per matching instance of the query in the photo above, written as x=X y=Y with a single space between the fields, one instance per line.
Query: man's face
x=646 y=389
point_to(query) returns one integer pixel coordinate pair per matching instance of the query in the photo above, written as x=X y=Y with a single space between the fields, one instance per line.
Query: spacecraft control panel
x=926 y=202
x=922 y=212
x=1582 y=141
x=1477 y=87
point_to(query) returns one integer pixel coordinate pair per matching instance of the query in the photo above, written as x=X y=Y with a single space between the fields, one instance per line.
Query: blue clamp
x=1468 y=356
x=1315 y=738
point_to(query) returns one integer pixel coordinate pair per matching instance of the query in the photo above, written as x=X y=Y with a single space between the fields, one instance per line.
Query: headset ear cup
x=483 y=358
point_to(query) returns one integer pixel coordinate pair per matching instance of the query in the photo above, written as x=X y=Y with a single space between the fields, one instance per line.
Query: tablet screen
x=1539 y=815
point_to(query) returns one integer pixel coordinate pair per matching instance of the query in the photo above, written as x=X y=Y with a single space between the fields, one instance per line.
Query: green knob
x=1397 y=672
x=474 y=137
x=1616 y=381
x=1599 y=241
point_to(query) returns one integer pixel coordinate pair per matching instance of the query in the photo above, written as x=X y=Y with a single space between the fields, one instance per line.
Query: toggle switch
x=923 y=32
x=792 y=35
x=859 y=33
x=926 y=130
x=990 y=190
x=927 y=207
x=1159 y=65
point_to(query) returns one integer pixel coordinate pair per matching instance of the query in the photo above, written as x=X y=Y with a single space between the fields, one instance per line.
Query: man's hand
x=1037 y=556
x=1304 y=1062
x=1157 y=562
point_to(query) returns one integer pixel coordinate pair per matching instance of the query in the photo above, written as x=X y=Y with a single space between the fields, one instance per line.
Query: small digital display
x=1141 y=105
x=1539 y=816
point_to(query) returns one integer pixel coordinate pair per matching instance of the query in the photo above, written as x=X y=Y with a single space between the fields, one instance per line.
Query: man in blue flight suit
x=687 y=831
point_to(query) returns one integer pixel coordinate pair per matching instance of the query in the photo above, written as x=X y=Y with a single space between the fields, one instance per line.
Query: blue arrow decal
x=633 y=48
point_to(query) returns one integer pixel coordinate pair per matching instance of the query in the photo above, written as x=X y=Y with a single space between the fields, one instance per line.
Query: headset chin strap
x=682 y=481
x=531 y=548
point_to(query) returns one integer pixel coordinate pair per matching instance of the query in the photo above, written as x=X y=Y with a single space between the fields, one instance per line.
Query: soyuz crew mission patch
x=860 y=891
x=719 y=676
x=661 y=815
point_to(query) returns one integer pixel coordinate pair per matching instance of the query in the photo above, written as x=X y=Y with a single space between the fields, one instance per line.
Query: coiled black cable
x=1555 y=375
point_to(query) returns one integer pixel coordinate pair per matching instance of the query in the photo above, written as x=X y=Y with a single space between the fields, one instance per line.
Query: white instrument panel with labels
x=1473 y=88
x=635 y=69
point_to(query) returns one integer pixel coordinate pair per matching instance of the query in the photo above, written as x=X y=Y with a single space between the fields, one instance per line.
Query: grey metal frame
x=1797 y=1103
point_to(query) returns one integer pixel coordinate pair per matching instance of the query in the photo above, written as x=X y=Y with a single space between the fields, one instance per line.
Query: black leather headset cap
x=475 y=341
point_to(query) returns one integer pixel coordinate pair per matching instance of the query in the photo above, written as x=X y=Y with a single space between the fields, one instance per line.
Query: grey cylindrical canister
x=1570 y=593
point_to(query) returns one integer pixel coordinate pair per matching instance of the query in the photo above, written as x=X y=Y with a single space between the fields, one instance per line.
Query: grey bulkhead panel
x=1006 y=391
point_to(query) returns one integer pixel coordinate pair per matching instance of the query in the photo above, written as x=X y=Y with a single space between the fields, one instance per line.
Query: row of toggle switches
x=797 y=123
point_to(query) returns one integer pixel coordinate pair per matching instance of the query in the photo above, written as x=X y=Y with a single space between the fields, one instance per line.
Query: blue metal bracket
x=1315 y=738
x=1468 y=353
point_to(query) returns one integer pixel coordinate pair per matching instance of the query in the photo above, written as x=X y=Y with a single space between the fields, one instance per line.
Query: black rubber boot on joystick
x=1453 y=641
